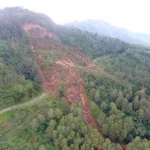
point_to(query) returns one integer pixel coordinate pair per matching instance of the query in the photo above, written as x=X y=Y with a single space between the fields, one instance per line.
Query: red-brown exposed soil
x=36 y=30
x=77 y=53
x=62 y=71
x=74 y=86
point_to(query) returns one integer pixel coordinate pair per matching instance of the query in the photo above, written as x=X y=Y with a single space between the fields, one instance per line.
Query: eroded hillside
x=60 y=67
x=116 y=85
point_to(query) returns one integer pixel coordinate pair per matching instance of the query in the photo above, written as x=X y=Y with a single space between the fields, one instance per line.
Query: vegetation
x=103 y=28
x=119 y=94
x=123 y=99
x=19 y=78
x=55 y=126
x=127 y=94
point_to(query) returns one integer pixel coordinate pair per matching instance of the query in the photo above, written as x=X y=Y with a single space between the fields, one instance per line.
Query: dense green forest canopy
x=18 y=73
x=120 y=102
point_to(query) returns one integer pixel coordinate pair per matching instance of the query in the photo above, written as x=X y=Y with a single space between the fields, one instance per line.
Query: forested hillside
x=106 y=29
x=97 y=88
x=19 y=77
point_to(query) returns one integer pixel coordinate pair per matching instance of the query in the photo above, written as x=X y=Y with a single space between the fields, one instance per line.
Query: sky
x=133 y=15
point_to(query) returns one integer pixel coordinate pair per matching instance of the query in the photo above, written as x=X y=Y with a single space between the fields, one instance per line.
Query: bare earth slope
x=61 y=71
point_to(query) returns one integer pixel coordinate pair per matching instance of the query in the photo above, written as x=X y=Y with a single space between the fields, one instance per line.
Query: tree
x=101 y=119
x=129 y=138
x=95 y=141
x=83 y=147
x=42 y=147
x=113 y=94
x=65 y=147
x=135 y=104
x=128 y=108
x=34 y=124
x=63 y=142
x=104 y=106
x=51 y=113
x=119 y=102
x=112 y=132
x=92 y=93
x=64 y=107
x=55 y=135
x=61 y=90
x=105 y=129
x=97 y=96
x=140 y=114
x=41 y=119
x=58 y=113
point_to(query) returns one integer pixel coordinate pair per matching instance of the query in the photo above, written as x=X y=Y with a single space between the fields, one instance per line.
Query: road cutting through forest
x=24 y=104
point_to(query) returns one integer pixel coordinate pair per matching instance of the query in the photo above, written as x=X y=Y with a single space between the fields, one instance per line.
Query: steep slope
x=19 y=77
x=103 y=28
x=118 y=94
x=61 y=71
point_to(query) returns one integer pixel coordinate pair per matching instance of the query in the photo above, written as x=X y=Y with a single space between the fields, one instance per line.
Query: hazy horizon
x=131 y=15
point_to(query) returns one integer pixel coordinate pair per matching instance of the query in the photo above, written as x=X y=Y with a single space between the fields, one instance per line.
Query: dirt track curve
x=24 y=104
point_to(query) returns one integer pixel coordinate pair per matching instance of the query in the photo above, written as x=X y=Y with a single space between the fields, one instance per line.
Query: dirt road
x=24 y=104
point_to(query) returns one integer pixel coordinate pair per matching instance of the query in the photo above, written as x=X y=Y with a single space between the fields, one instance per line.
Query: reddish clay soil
x=79 y=54
x=36 y=30
x=75 y=89
x=61 y=71
x=44 y=45
x=74 y=86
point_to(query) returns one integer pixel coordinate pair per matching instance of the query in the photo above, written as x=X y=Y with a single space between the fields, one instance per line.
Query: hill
x=96 y=88
x=106 y=29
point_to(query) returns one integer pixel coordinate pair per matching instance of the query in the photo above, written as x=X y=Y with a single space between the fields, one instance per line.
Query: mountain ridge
x=106 y=29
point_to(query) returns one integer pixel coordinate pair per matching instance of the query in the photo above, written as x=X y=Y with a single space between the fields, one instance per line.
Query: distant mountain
x=106 y=29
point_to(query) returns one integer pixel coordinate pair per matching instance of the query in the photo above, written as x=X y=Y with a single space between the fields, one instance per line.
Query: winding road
x=24 y=104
